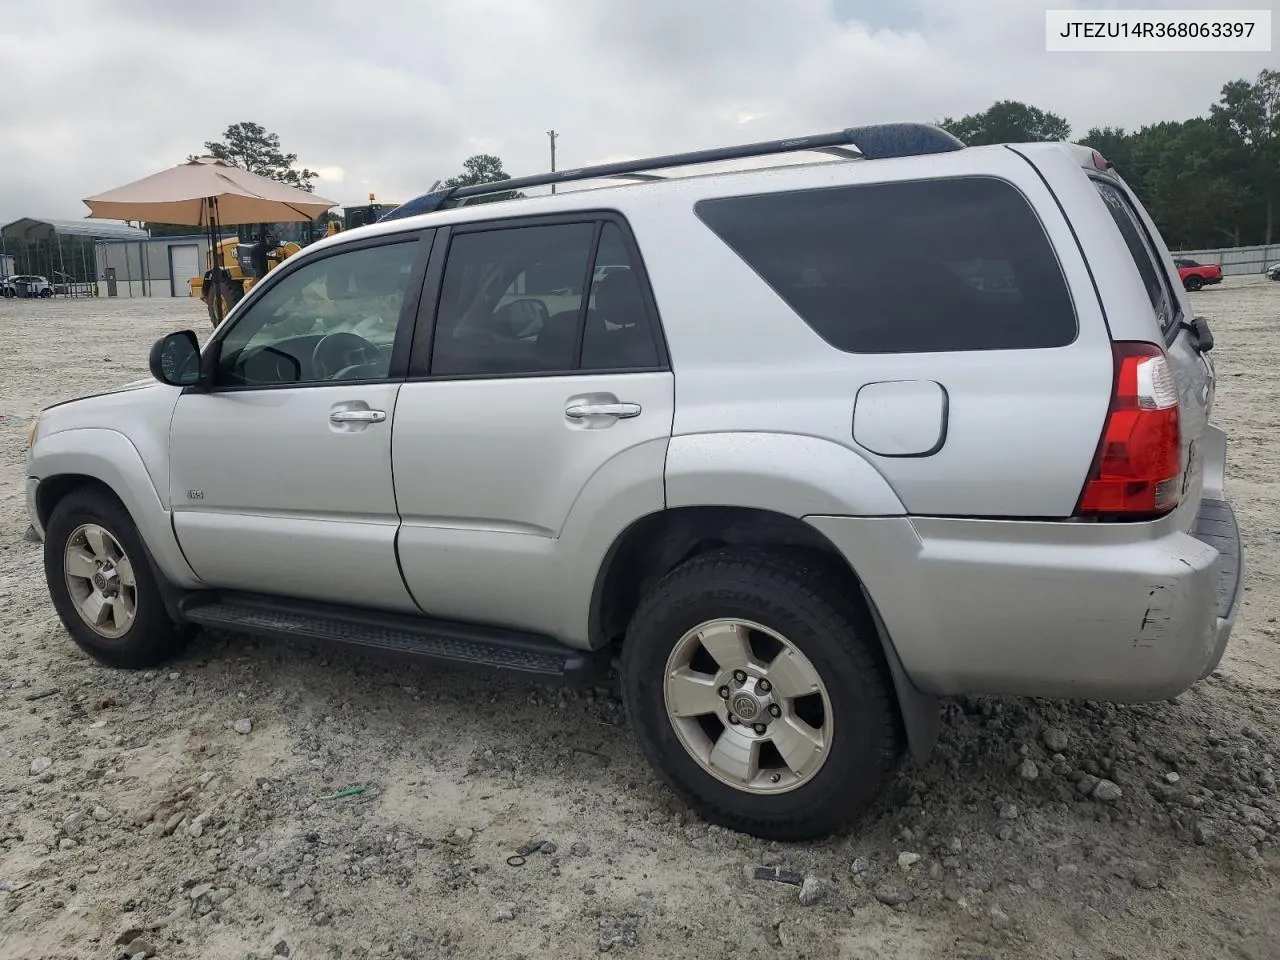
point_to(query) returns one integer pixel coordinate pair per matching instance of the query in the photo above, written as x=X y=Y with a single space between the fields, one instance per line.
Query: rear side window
x=1144 y=257
x=912 y=267
x=539 y=299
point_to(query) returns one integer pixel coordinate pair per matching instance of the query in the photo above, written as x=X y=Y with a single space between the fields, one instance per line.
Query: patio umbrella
x=207 y=192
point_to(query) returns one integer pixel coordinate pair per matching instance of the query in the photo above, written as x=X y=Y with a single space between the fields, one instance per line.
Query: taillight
x=1137 y=473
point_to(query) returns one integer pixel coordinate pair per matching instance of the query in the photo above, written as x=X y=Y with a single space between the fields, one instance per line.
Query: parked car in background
x=25 y=285
x=1196 y=275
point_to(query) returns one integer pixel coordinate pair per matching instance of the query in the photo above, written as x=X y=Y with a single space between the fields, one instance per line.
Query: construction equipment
x=362 y=215
x=239 y=265
x=243 y=263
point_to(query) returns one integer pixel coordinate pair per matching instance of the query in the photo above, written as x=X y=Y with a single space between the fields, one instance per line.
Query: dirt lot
x=133 y=807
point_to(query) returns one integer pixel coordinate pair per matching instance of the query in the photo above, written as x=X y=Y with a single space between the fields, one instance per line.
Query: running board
x=445 y=642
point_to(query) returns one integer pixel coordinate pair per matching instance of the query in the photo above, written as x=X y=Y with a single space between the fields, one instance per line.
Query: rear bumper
x=1216 y=526
x=1124 y=612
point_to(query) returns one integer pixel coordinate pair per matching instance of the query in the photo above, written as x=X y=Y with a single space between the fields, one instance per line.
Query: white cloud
x=325 y=173
x=394 y=97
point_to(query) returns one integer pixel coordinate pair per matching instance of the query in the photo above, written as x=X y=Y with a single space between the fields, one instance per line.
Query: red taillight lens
x=1138 y=470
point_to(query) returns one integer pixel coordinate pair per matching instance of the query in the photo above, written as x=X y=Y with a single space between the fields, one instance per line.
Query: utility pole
x=552 y=134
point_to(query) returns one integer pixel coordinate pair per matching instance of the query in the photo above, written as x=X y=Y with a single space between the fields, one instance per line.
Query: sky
x=388 y=96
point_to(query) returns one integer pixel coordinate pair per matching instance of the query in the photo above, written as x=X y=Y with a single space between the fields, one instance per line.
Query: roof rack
x=874 y=142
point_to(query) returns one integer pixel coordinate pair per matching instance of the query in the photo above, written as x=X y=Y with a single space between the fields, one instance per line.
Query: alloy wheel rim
x=101 y=581
x=748 y=706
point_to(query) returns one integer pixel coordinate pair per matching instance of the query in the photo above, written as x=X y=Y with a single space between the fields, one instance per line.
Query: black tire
x=803 y=600
x=153 y=636
x=231 y=293
x=1193 y=284
x=46 y=293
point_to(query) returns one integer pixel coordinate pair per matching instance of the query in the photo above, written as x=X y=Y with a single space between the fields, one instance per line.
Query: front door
x=538 y=426
x=281 y=473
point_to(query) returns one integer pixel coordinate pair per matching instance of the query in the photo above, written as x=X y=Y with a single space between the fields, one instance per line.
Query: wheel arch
x=654 y=545
x=106 y=459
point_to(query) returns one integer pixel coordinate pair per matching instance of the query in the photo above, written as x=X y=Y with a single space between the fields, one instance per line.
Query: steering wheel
x=336 y=353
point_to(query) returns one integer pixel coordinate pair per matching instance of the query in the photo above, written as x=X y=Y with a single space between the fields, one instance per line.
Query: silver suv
x=799 y=449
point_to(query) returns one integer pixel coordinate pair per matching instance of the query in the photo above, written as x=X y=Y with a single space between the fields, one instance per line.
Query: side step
x=459 y=644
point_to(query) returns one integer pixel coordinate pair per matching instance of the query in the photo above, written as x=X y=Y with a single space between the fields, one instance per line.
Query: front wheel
x=46 y=293
x=1193 y=284
x=102 y=584
x=758 y=691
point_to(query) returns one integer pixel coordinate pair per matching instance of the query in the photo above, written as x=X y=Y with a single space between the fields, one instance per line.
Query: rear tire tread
x=780 y=582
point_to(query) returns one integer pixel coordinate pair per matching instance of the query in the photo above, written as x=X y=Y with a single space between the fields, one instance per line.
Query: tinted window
x=523 y=300
x=617 y=333
x=332 y=319
x=511 y=299
x=956 y=264
x=1144 y=257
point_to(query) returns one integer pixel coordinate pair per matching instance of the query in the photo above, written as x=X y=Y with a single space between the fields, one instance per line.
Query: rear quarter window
x=913 y=267
x=1143 y=253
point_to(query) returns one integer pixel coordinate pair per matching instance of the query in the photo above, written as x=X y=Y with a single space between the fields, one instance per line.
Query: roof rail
x=874 y=142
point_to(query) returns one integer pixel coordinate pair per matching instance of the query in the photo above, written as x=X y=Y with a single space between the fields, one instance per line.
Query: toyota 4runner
x=800 y=449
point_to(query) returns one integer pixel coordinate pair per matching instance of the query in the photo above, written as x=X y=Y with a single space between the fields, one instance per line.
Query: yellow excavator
x=242 y=263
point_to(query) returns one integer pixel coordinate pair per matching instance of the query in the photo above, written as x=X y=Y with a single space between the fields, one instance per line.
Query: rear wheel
x=1193 y=284
x=758 y=691
x=102 y=584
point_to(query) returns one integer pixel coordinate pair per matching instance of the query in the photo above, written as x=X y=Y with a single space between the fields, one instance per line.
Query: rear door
x=1192 y=366
x=535 y=420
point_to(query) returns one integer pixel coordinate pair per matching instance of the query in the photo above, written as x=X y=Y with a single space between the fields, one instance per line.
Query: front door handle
x=357 y=416
x=623 y=411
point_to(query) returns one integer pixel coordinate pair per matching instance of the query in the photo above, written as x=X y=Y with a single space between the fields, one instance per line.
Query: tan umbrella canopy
x=204 y=191
x=208 y=192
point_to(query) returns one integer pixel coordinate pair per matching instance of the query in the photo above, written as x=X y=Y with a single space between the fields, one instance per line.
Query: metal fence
x=1237 y=261
x=68 y=264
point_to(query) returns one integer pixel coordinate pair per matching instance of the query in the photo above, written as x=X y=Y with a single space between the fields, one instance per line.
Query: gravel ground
x=189 y=812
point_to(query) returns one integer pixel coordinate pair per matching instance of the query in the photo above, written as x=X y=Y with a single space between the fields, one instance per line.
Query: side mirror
x=175 y=359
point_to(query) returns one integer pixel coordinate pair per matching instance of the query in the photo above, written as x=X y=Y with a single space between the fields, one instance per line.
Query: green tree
x=252 y=147
x=1251 y=112
x=1192 y=178
x=1008 y=121
x=482 y=168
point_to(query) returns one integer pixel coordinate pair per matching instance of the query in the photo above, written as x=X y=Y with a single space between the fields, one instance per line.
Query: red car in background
x=1196 y=275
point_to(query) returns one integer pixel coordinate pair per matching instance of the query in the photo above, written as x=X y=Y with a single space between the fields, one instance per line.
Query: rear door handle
x=623 y=411
x=357 y=416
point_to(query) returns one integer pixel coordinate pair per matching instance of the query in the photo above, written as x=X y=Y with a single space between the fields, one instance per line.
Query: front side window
x=333 y=319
